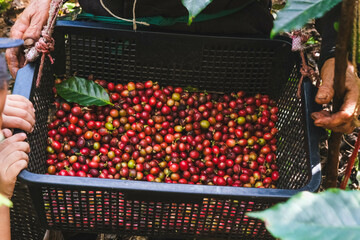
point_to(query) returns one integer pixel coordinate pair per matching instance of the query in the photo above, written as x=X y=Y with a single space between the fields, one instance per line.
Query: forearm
x=5 y=223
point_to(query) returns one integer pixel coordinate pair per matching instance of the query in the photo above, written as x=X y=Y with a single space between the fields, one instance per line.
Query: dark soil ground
x=8 y=17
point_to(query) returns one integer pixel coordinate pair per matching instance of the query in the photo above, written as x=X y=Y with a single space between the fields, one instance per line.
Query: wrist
x=5 y=232
x=325 y=55
x=3 y=194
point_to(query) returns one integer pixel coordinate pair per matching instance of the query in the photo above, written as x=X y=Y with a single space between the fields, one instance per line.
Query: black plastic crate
x=222 y=64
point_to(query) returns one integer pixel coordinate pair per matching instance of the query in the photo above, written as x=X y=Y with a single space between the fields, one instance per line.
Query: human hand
x=341 y=121
x=13 y=158
x=28 y=26
x=18 y=113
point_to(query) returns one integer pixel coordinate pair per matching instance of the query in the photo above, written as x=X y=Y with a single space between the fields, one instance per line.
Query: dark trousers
x=254 y=19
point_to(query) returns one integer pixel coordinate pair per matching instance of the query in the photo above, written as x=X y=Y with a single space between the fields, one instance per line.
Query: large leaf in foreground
x=83 y=92
x=330 y=215
x=194 y=7
x=297 y=12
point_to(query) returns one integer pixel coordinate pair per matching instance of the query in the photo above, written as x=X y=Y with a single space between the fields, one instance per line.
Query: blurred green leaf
x=5 y=202
x=297 y=13
x=328 y=132
x=311 y=41
x=194 y=7
x=277 y=7
x=4 y=5
x=331 y=215
x=69 y=6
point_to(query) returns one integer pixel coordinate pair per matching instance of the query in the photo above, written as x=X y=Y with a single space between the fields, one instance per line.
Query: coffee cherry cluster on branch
x=166 y=134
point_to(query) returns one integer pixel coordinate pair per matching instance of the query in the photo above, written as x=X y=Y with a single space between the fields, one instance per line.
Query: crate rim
x=114 y=27
x=27 y=75
x=152 y=187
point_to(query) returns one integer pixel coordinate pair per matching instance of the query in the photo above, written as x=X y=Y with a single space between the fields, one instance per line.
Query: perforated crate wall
x=217 y=64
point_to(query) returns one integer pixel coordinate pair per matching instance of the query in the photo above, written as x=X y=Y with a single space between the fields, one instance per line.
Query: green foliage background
x=4 y=5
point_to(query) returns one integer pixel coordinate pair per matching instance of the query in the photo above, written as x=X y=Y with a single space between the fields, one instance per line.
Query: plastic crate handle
x=24 y=83
x=24 y=80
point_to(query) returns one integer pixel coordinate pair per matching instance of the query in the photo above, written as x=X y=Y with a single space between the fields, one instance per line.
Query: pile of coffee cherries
x=167 y=134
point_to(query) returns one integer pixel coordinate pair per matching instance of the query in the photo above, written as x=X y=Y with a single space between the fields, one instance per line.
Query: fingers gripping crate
x=222 y=64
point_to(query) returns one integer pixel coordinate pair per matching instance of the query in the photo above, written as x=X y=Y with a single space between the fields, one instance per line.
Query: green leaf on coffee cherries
x=5 y=202
x=333 y=214
x=82 y=91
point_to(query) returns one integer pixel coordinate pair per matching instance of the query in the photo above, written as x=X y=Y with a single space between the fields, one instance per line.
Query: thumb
x=324 y=94
x=326 y=90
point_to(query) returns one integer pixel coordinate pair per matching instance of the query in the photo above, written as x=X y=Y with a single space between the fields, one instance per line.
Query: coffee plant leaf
x=333 y=214
x=297 y=13
x=83 y=92
x=194 y=7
